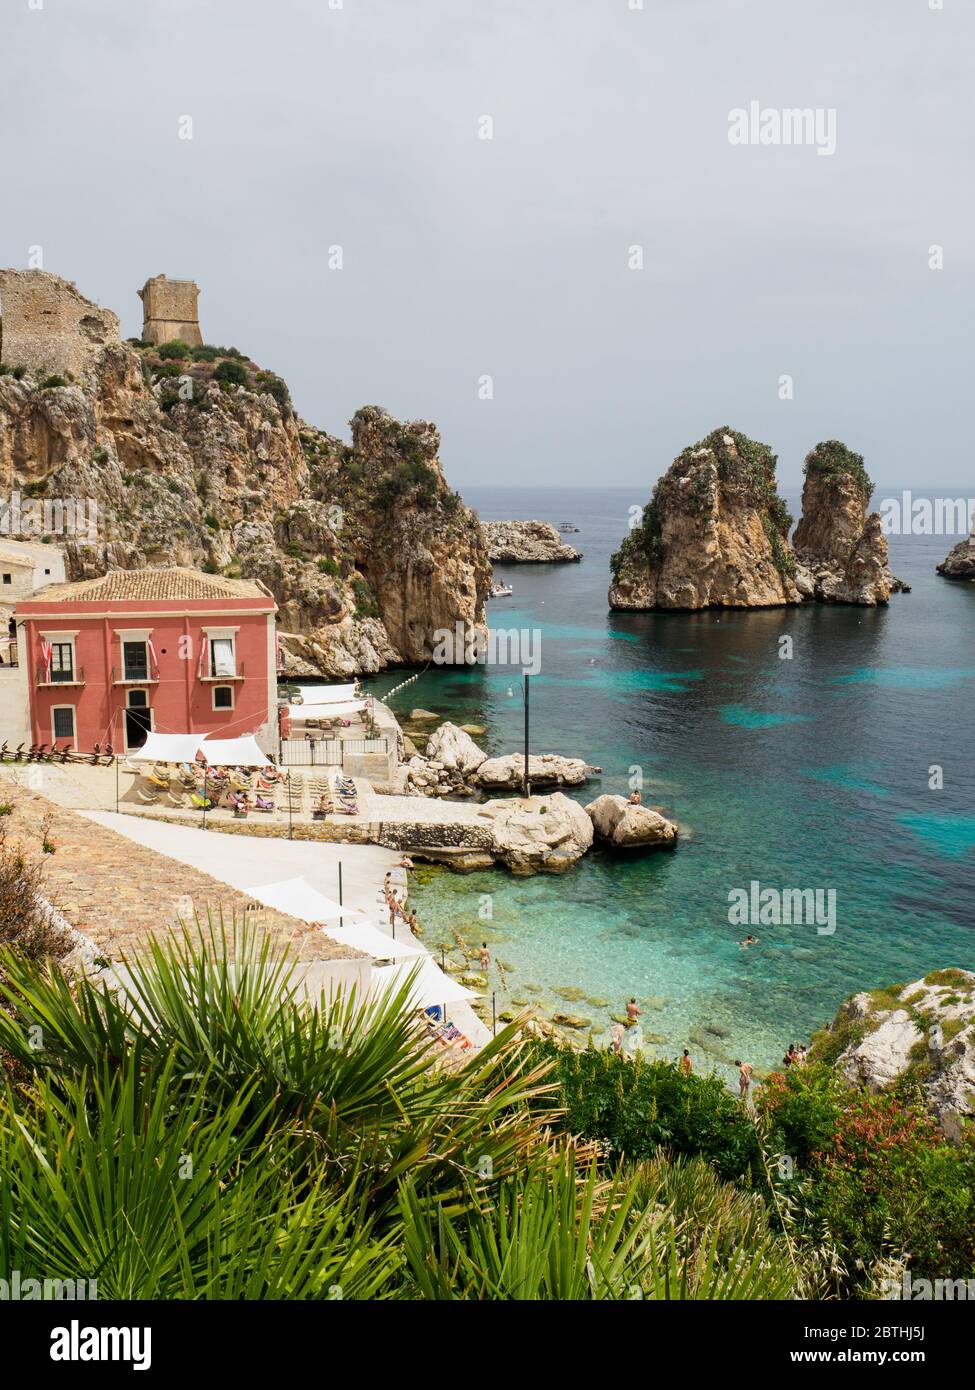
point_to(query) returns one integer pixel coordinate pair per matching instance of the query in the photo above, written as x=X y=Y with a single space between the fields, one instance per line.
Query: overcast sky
x=465 y=257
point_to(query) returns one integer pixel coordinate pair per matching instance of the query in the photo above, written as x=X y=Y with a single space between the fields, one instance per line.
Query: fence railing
x=327 y=752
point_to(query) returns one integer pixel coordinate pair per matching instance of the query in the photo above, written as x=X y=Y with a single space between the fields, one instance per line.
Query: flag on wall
x=204 y=649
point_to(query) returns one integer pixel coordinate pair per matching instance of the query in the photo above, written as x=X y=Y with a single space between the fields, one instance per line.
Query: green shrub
x=327 y=565
x=211 y=521
x=832 y=459
x=636 y=1107
x=18 y=373
x=51 y=383
x=366 y=605
x=230 y=372
x=176 y=350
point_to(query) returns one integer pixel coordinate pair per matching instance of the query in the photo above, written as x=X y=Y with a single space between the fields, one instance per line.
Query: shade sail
x=168 y=748
x=298 y=898
x=364 y=936
x=431 y=985
x=341 y=710
x=325 y=694
x=233 y=752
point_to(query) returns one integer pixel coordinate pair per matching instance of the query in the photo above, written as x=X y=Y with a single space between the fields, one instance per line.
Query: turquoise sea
x=812 y=772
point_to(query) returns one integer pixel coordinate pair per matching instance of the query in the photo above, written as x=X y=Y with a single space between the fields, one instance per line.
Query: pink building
x=173 y=650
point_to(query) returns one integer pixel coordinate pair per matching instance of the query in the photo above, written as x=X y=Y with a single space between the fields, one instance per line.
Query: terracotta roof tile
x=172 y=582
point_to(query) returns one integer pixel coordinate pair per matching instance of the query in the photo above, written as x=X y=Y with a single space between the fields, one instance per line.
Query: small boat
x=501 y=591
x=567 y=526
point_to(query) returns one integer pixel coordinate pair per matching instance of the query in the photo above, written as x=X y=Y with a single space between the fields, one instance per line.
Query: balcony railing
x=237 y=675
x=50 y=678
x=129 y=678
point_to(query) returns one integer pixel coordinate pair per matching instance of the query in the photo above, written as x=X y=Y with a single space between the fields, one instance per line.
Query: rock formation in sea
x=526 y=543
x=713 y=535
x=959 y=563
x=841 y=552
x=917 y=1038
x=623 y=825
x=195 y=456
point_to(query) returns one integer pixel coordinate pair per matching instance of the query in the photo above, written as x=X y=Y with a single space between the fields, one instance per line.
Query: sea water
x=815 y=772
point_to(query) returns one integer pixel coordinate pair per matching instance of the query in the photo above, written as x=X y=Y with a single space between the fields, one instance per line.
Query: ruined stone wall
x=48 y=327
x=169 y=311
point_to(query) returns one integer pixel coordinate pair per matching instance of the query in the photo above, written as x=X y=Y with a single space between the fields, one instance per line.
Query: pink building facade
x=171 y=650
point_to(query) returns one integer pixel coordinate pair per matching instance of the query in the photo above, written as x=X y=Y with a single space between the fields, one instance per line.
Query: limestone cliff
x=526 y=543
x=916 y=1039
x=196 y=457
x=713 y=535
x=840 y=551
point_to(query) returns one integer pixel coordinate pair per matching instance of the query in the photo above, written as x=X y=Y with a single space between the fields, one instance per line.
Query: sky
x=573 y=300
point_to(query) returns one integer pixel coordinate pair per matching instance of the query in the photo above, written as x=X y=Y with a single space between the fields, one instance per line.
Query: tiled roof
x=173 y=582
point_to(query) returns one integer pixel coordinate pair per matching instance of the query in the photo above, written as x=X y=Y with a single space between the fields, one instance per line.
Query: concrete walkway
x=246 y=863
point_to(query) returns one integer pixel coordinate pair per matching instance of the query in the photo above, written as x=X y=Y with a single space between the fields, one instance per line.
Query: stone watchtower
x=169 y=311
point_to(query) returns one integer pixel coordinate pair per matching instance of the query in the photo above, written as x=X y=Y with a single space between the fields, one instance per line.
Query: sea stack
x=841 y=552
x=959 y=563
x=713 y=535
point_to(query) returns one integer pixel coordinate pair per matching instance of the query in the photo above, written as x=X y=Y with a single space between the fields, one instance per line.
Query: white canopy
x=336 y=711
x=364 y=936
x=168 y=748
x=298 y=898
x=233 y=752
x=430 y=987
x=326 y=694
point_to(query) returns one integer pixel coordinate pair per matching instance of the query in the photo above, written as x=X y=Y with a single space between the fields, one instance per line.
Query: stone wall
x=48 y=327
x=169 y=311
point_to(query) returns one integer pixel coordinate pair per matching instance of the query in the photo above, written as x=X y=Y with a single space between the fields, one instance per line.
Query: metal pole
x=525 y=783
x=341 y=919
x=494 y=1013
x=116 y=784
x=290 y=811
x=204 y=793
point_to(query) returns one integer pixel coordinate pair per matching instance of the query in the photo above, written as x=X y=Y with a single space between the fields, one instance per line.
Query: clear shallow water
x=803 y=773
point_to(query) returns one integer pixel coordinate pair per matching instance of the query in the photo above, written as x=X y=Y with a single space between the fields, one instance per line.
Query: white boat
x=501 y=591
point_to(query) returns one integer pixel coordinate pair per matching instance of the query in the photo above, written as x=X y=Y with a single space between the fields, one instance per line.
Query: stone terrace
x=122 y=895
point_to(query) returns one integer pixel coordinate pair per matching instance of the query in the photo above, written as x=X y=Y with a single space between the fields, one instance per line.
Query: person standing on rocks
x=744 y=1080
x=632 y=1012
x=484 y=956
x=686 y=1065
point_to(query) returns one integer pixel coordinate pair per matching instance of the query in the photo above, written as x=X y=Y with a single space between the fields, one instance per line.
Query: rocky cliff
x=918 y=1039
x=714 y=534
x=527 y=543
x=196 y=457
x=840 y=551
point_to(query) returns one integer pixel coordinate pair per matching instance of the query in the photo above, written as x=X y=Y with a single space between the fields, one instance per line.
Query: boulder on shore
x=625 y=826
x=546 y=834
x=454 y=750
x=544 y=770
x=526 y=543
